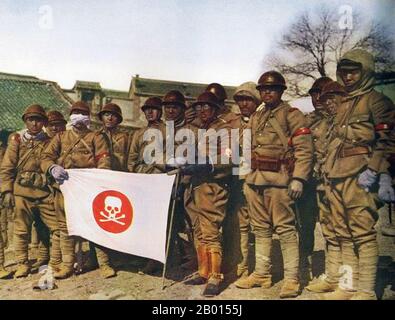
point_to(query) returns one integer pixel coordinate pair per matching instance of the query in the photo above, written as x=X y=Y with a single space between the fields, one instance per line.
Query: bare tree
x=314 y=44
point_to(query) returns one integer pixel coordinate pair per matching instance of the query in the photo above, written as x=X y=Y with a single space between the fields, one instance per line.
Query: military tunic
x=73 y=149
x=274 y=134
x=21 y=174
x=118 y=142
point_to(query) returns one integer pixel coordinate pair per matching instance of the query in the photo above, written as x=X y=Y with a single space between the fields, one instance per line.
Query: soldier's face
x=271 y=95
x=173 y=112
x=206 y=113
x=247 y=105
x=152 y=114
x=350 y=77
x=315 y=99
x=331 y=103
x=55 y=127
x=34 y=124
x=110 y=120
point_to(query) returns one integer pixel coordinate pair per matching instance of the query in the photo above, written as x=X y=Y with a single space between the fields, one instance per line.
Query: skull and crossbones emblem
x=112 y=210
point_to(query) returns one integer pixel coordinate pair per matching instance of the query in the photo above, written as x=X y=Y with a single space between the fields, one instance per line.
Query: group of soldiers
x=329 y=166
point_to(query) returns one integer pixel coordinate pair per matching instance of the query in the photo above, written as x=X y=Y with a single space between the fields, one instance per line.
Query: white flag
x=126 y=212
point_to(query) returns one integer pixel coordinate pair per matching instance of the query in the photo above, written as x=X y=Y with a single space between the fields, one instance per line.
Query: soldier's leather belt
x=353 y=151
x=267 y=164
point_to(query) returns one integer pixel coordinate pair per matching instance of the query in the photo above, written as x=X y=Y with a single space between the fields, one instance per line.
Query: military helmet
x=218 y=90
x=271 y=79
x=207 y=98
x=319 y=84
x=55 y=116
x=174 y=97
x=113 y=108
x=153 y=102
x=81 y=106
x=34 y=110
x=333 y=87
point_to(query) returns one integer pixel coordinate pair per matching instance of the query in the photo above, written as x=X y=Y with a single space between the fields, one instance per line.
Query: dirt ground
x=131 y=285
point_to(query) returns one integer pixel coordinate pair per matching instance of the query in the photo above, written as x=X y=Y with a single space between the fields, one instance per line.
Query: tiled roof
x=153 y=87
x=18 y=92
x=115 y=94
x=87 y=85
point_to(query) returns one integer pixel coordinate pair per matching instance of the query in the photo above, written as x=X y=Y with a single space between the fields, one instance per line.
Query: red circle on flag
x=112 y=211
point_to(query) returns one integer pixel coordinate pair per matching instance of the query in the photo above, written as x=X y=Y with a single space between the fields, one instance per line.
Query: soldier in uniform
x=4 y=274
x=118 y=141
x=152 y=109
x=25 y=186
x=330 y=98
x=248 y=99
x=78 y=147
x=210 y=192
x=56 y=123
x=354 y=162
x=174 y=105
x=225 y=112
x=316 y=121
x=281 y=160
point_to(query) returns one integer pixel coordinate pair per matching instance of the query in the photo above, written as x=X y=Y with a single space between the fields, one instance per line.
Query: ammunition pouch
x=263 y=163
x=31 y=179
x=353 y=151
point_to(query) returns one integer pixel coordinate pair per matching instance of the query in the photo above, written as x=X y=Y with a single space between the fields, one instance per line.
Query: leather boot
x=212 y=287
x=368 y=258
x=330 y=281
x=261 y=276
x=203 y=266
x=242 y=267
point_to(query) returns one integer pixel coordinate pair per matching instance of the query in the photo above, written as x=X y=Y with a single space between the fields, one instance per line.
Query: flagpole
x=173 y=206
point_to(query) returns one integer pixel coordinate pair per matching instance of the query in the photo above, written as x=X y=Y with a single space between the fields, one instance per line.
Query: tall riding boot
x=215 y=276
x=290 y=252
x=330 y=280
x=348 y=282
x=203 y=266
x=368 y=258
x=242 y=267
x=261 y=276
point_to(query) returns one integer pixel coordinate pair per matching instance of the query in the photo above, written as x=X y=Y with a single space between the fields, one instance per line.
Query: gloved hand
x=386 y=191
x=176 y=162
x=367 y=178
x=8 y=200
x=193 y=169
x=59 y=173
x=295 y=189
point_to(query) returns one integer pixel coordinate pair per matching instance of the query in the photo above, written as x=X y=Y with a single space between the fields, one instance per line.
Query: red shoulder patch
x=292 y=109
x=16 y=137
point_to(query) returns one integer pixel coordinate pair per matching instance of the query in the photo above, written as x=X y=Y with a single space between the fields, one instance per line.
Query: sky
x=109 y=41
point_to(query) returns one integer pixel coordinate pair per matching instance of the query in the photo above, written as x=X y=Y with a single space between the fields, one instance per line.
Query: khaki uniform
x=74 y=149
x=209 y=197
x=361 y=141
x=135 y=161
x=118 y=142
x=21 y=174
x=271 y=208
